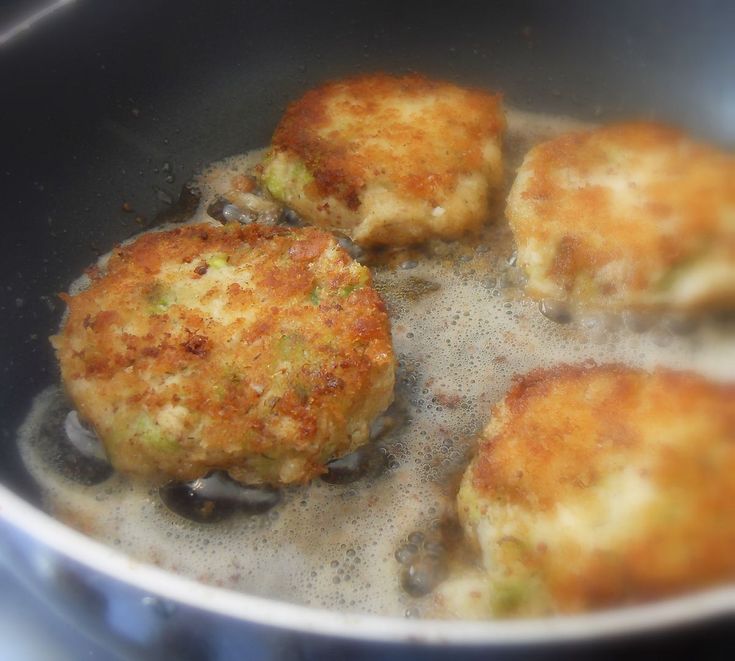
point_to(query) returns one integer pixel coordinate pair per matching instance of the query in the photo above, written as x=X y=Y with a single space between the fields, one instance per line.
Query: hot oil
x=462 y=329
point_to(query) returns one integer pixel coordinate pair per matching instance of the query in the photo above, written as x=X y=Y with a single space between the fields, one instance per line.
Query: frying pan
x=99 y=94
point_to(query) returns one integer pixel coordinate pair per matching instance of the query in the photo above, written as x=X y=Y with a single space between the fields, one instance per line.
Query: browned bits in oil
x=243 y=183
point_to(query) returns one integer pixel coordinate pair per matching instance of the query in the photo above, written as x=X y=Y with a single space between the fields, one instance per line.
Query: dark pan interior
x=98 y=98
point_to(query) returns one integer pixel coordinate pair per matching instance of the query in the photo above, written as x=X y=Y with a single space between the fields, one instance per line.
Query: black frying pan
x=96 y=97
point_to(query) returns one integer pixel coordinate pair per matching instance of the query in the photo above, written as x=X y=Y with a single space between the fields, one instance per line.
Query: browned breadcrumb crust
x=349 y=156
x=561 y=432
x=639 y=199
x=261 y=350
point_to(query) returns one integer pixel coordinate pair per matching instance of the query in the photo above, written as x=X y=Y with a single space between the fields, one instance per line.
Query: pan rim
x=150 y=580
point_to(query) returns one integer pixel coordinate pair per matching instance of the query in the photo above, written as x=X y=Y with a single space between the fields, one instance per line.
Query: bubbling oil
x=462 y=329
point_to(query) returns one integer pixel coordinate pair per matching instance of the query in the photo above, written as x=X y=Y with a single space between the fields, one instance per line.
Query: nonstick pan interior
x=108 y=105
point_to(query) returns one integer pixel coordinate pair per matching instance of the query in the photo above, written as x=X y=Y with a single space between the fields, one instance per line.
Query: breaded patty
x=389 y=160
x=596 y=486
x=628 y=215
x=259 y=350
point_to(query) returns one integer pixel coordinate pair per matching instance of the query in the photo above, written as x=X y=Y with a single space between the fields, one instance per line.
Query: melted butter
x=462 y=329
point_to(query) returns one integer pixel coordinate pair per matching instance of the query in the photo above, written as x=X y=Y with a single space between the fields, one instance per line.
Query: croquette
x=259 y=350
x=597 y=486
x=389 y=160
x=631 y=215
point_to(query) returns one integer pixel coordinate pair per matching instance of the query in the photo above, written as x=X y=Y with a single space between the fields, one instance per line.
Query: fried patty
x=263 y=351
x=389 y=160
x=628 y=215
x=596 y=486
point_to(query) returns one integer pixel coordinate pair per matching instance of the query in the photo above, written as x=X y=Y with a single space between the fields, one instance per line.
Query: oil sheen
x=462 y=328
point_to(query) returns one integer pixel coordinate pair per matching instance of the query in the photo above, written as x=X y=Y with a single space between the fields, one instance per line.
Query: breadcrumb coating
x=633 y=215
x=389 y=160
x=596 y=486
x=259 y=350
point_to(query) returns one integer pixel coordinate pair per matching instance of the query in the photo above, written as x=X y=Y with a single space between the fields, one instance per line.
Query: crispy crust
x=382 y=156
x=558 y=443
x=614 y=216
x=342 y=159
x=261 y=350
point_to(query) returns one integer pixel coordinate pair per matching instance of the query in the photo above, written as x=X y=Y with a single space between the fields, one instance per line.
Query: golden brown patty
x=628 y=215
x=389 y=160
x=259 y=350
x=600 y=485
